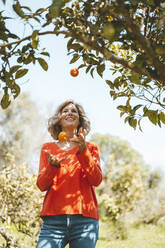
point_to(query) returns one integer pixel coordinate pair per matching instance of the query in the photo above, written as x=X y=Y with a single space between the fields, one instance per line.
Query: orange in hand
x=62 y=137
x=75 y=137
x=74 y=72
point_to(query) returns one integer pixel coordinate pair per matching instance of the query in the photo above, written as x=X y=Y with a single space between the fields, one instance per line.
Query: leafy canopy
x=129 y=34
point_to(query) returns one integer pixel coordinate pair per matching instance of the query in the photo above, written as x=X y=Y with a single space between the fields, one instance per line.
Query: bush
x=20 y=199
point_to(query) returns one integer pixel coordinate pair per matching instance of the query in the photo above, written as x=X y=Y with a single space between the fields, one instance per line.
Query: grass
x=143 y=236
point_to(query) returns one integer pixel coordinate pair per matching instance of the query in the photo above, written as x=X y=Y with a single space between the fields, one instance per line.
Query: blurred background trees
x=21 y=130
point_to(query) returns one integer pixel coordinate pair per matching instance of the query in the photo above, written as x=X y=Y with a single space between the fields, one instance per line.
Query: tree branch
x=145 y=43
x=29 y=37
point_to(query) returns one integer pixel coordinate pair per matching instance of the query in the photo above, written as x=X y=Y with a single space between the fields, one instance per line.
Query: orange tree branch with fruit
x=128 y=34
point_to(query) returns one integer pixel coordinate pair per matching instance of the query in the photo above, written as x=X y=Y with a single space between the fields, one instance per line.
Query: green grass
x=144 y=236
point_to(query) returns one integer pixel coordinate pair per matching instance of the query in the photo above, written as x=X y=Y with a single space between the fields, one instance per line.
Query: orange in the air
x=74 y=72
x=62 y=136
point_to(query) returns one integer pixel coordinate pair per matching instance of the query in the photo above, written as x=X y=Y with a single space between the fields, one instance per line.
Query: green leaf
x=35 y=35
x=122 y=113
x=159 y=122
x=126 y=119
x=76 y=46
x=14 y=68
x=69 y=44
x=75 y=58
x=15 y=90
x=134 y=78
x=140 y=125
x=46 y=54
x=108 y=31
x=145 y=109
x=43 y=63
x=34 y=42
x=21 y=73
x=81 y=66
x=152 y=116
x=136 y=107
x=91 y=72
x=113 y=94
x=29 y=59
x=162 y=117
x=5 y=101
x=18 y=10
x=122 y=108
x=88 y=68
x=110 y=84
x=55 y=8
x=132 y=122
x=100 y=69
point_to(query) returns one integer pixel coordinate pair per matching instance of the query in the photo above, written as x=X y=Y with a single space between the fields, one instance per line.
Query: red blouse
x=70 y=188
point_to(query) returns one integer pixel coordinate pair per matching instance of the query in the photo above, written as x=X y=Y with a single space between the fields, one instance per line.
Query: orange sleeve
x=90 y=161
x=46 y=171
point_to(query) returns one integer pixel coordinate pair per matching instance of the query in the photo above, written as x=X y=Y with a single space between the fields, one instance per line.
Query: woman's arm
x=89 y=159
x=46 y=170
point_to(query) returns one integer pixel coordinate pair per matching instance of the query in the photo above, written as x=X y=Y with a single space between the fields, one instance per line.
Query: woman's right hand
x=53 y=160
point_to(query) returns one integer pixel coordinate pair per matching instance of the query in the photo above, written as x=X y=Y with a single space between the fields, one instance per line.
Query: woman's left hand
x=80 y=140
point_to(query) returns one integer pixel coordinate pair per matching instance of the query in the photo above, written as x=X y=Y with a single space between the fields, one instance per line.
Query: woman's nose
x=69 y=112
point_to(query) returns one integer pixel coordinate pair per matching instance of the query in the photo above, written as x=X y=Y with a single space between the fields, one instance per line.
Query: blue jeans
x=59 y=230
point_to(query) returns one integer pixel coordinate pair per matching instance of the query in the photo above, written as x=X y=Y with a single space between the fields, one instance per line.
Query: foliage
x=20 y=200
x=151 y=208
x=127 y=37
x=130 y=35
x=123 y=187
x=121 y=150
x=130 y=192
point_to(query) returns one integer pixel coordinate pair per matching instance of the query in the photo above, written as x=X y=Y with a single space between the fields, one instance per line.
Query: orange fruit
x=62 y=137
x=74 y=72
x=75 y=137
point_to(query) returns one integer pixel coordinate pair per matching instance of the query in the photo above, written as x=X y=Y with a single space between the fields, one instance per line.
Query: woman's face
x=69 y=117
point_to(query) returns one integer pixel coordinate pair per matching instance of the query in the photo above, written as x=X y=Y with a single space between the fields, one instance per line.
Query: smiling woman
x=69 y=170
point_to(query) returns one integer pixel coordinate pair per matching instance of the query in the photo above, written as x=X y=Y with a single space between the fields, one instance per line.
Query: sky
x=49 y=89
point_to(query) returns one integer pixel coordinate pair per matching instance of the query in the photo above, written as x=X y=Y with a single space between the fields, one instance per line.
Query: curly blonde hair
x=54 y=126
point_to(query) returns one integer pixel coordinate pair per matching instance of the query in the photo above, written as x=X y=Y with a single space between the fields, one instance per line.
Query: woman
x=68 y=172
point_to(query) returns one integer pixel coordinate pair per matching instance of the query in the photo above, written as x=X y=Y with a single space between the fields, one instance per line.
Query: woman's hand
x=53 y=160
x=80 y=140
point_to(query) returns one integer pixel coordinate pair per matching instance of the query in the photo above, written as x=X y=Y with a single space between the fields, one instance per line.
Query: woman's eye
x=65 y=111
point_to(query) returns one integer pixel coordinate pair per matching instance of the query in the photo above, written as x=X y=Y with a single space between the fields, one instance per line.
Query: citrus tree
x=127 y=37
